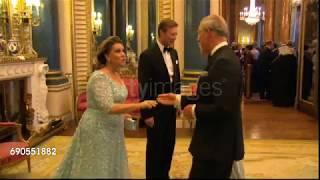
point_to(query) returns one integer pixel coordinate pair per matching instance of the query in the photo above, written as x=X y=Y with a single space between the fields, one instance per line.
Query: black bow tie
x=167 y=49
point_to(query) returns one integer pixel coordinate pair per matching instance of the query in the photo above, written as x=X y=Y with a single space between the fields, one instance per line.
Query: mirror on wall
x=126 y=19
x=101 y=13
x=309 y=56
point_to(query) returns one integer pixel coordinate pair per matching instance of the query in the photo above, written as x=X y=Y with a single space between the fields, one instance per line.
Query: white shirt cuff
x=178 y=101
x=194 y=111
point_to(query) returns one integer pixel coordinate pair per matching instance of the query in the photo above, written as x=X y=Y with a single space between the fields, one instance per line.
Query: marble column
x=277 y=21
x=216 y=7
x=229 y=12
x=65 y=35
x=269 y=19
x=285 y=21
x=232 y=21
x=142 y=25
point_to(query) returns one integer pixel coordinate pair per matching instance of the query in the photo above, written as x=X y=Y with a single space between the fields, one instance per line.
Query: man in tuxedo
x=158 y=72
x=217 y=140
x=264 y=67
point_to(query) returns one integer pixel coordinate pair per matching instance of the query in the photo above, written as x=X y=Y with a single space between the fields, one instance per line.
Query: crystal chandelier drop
x=253 y=15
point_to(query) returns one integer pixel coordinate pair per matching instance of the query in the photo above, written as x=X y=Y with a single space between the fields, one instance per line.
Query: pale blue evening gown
x=98 y=149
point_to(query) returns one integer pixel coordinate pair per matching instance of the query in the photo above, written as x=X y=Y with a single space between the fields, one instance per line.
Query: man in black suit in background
x=264 y=70
x=217 y=140
x=158 y=72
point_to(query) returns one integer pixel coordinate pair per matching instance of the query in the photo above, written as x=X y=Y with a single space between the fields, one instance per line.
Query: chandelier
x=253 y=15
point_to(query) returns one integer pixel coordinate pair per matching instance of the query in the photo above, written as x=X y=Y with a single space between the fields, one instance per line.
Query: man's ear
x=161 y=32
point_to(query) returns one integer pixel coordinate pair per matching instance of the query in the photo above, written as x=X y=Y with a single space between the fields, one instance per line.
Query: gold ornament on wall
x=17 y=18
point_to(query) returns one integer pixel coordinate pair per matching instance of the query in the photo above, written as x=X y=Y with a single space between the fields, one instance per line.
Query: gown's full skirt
x=98 y=149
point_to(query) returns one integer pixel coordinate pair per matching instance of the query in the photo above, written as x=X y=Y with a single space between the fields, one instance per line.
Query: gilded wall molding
x=81 y=43
x=307 y=106
x=142 y=26
x=165 y=10
x=81 y=46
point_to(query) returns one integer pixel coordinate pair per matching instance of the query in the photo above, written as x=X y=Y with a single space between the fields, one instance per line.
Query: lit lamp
x=131 y=55
x=252 y=15
x=97 y=23
x=130 y=33
x=152 y=37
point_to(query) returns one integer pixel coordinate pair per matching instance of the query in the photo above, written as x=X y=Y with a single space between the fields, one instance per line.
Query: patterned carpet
x=263 y=159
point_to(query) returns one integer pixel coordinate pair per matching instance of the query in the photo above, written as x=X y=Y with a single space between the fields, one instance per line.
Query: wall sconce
x=130 y=33
x=97 y=23
x=152 y=37
x=131 y=55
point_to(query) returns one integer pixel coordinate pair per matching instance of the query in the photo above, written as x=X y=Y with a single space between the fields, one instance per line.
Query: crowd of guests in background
x=272 y=70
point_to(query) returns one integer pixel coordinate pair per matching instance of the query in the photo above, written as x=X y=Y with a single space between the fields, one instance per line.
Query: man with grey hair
x=217 y=140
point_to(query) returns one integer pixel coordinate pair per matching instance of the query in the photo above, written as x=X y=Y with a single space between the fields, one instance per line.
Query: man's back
x=218 y=132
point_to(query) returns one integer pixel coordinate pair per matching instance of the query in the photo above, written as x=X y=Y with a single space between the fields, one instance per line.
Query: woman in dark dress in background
x=284 y=77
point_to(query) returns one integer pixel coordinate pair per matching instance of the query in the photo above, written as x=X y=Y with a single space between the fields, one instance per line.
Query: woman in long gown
x=98 y=148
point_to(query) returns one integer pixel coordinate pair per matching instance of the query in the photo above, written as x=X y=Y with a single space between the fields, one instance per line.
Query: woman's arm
x=126 y=108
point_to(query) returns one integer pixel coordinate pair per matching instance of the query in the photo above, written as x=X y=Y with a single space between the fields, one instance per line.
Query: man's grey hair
x=214 y=23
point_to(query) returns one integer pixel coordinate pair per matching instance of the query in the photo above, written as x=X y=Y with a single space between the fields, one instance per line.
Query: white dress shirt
x=167 y=61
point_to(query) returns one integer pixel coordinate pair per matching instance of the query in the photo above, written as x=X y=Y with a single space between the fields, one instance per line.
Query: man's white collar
x=160 y=45
x=224 y=43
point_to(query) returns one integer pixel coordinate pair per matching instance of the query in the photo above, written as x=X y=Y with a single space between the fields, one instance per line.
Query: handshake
x=165 y=99
x=168 y=99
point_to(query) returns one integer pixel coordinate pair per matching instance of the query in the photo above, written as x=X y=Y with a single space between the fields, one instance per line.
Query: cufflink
x=177 y=61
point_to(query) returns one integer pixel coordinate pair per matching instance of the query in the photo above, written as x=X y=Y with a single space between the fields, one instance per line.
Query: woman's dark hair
x=105 y=48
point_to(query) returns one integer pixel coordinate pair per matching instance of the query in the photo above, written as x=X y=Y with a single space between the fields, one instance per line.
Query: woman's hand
x=148 y=104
